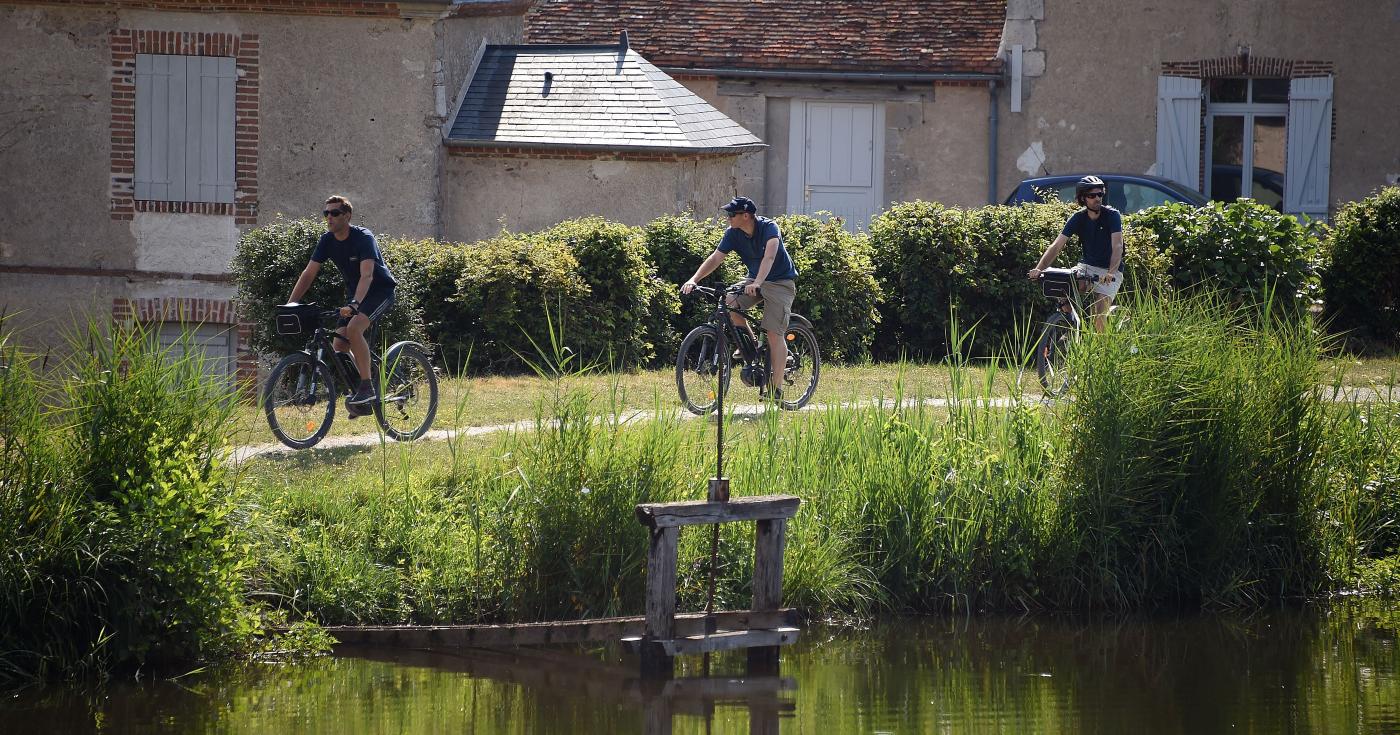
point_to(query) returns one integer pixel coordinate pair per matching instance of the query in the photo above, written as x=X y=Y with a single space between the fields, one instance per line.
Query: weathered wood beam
x=697 y=512
x=725 y=641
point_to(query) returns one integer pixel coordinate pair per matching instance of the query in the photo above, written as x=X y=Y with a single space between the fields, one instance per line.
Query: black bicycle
x=1064 y=285
x=303 y=389
x=703 y=373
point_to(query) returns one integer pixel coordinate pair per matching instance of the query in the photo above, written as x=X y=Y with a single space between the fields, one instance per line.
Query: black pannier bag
x=297 y=320
x=1057 y=283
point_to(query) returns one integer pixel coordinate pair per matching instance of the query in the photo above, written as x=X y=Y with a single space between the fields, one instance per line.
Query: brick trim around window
x=196 y=311
x=126 y=43
x=1247 y=66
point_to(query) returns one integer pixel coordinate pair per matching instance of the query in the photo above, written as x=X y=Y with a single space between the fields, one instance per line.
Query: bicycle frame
x=322 y=343
x=750 y=351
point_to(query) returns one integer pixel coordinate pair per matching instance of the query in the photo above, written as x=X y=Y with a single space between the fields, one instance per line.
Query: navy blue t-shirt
x=750 y=249
x=347 y=255
x=1096 y=236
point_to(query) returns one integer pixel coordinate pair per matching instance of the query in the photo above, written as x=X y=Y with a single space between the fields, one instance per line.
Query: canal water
x=1316 y=669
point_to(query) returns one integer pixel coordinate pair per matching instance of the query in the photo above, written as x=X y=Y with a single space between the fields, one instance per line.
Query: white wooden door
x=835 y=160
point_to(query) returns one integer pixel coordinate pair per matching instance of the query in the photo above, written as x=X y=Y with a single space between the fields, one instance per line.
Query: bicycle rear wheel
x=1051 y=354
x=804 y=367
x=408 y=402
x=701 y=372
x=299 y=401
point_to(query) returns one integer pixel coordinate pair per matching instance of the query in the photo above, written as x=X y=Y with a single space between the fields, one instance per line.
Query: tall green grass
x=118 y=540
x=1202 y=460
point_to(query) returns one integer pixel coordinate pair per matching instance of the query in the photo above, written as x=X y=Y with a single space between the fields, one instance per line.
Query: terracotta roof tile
x=941 y=36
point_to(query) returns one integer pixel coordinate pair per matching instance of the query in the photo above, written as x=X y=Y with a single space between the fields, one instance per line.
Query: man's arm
x=1116 y=258
x=1051 y=253
x=304 y=281
x=366 y=278
x=770 y=253
x=705 y=269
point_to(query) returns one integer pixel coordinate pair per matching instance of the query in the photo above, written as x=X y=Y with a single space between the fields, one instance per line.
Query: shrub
x=117 y=545
x=836 y=285
x=268 y=261
x=1243 y=249
x=499 y=292
x=627 y=317
x=930 y=259
x=1362 y=284
x=676 y=245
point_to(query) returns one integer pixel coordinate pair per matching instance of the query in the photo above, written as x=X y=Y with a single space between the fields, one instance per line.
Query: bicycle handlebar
x=1078 y=275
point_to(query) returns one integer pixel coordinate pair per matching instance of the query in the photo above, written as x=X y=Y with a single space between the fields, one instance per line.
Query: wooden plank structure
x=664 y=638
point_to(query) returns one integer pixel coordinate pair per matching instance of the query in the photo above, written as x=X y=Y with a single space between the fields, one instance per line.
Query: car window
x=1066 y=192
x=1137 y=197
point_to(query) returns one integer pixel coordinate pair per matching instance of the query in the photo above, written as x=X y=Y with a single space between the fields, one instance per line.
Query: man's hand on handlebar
x=1033 y=274
x=751 y=289
x=688 y=286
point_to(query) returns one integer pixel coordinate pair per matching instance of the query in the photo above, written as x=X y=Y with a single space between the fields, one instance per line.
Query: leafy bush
x=627 y=317
x=268 y=261
x=836 y=287
x=117 y=544
x=930 y=259
x=499 y=291
x=676 y=245
x=1244 y=249
x=1362 y=285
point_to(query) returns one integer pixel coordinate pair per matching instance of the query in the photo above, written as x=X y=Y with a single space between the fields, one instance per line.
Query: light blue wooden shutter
x=1305 y=184
x=184 y=128
x=1179 y=130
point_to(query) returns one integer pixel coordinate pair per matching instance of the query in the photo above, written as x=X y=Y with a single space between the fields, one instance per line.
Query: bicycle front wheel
x=299 y=401
x=701 y=372
x=1051 y=353
x=408 y=403
x=804 y=367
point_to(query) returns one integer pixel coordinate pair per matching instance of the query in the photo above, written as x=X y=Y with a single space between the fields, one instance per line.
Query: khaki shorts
x=1107 y=289
x=777 y=299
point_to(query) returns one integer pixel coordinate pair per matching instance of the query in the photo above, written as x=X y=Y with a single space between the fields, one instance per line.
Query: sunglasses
x=332 y=212
x=1094 y=195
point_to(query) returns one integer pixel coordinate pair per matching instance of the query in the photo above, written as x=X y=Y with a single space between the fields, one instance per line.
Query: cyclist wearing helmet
x=1100 y=231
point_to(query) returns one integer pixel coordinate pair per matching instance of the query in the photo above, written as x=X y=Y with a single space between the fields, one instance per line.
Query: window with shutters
x=185 y=128
x=1262 y=126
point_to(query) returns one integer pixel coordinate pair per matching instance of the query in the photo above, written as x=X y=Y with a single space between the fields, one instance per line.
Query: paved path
x=743 y=410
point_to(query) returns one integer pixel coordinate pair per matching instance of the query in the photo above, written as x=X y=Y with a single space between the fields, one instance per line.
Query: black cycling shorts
x=376 y=304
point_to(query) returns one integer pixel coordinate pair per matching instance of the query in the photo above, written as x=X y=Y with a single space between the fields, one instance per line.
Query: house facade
x=866 y=103
x=142 y=137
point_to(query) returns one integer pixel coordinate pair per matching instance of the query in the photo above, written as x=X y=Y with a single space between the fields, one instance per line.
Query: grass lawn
x=494 y=400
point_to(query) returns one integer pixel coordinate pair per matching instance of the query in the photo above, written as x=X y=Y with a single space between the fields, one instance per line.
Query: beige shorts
x=1109 y=289
x=777 y=299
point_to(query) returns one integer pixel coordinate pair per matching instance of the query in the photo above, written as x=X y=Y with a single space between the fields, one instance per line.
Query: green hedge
x=836 y=287
x=1362 y=285
x=268 y=261
x=1242 y=248
x=613 y=289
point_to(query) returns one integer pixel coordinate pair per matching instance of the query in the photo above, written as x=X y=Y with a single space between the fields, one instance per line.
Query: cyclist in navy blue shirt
x=772 y=278
x=369 y=288
x=1100 y=231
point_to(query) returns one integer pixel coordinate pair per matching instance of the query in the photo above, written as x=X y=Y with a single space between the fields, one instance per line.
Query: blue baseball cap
x=740 y=204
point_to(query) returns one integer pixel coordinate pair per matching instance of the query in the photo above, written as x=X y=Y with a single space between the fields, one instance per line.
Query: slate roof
x=600 y=97
x=840 y=36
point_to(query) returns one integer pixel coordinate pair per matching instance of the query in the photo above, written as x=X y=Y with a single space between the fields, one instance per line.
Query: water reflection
x=1319 y=669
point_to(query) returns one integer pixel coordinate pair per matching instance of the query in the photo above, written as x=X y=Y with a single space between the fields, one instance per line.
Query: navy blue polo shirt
x=750 y=249
x=347 y=255
x=1096 y=235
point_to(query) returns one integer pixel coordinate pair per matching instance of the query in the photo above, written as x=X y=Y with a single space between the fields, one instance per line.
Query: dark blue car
x=1126 y=192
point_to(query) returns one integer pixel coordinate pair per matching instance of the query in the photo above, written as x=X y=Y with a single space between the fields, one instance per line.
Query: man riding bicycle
x=772 y=279
x=1100 y=230
x=369 y=289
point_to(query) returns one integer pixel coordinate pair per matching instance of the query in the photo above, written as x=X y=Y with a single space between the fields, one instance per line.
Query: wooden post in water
x=659 y=643
x=769 y=539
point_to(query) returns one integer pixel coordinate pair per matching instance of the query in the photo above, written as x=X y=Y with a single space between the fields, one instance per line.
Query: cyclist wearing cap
x=369 y=288
x=1100 y=231
x=772 y=278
